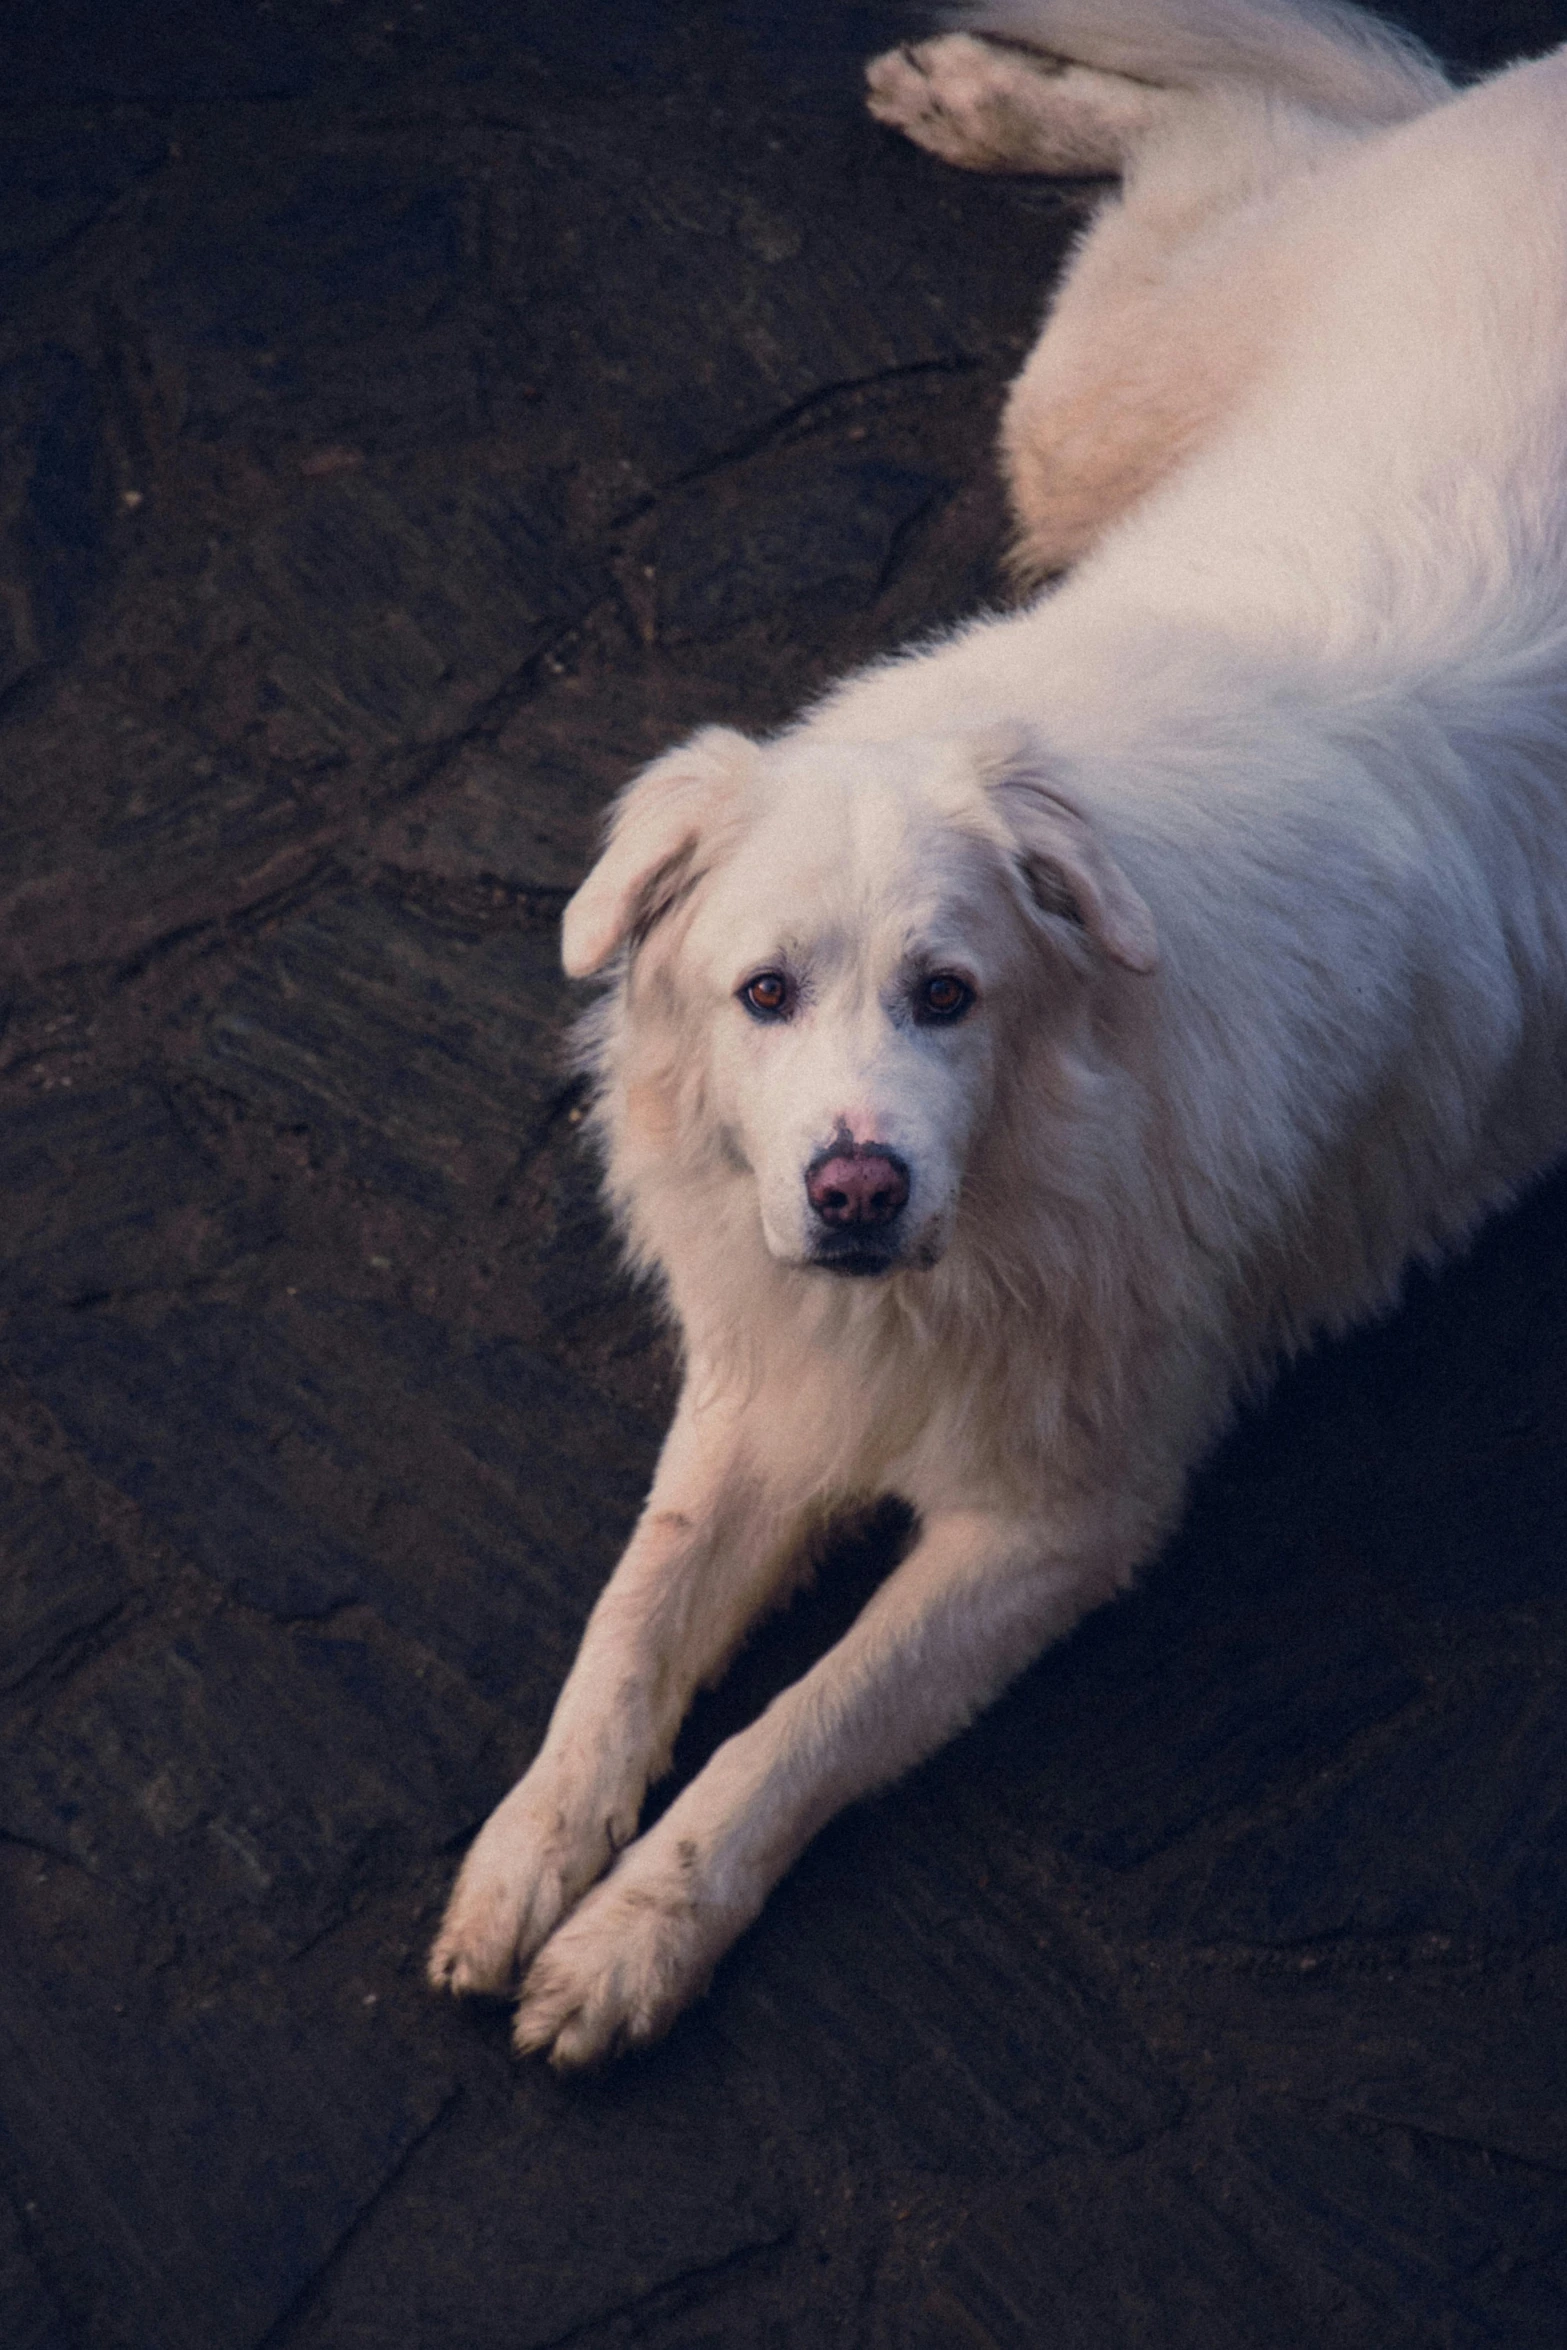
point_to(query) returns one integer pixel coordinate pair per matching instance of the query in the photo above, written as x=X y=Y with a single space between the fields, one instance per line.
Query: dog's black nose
x=867 y=1185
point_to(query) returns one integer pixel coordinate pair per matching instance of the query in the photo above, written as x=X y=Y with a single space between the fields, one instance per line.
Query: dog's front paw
x=531 y=1861
x=619 y=1971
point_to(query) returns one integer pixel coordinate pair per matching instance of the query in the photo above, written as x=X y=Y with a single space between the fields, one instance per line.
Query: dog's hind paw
x=936 y=93
x=992 y=107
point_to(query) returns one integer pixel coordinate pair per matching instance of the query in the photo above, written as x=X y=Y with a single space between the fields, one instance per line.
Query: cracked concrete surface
x=412 y=417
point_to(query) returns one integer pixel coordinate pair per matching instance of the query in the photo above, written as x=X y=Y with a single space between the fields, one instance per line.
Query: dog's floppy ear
x=1066 y=865
x=655 y=835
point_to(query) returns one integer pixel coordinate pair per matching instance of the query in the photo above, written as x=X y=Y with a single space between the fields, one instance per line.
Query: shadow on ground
x=410 y=418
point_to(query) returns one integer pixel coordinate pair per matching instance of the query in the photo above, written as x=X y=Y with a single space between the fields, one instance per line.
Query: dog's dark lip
x=856 y=1264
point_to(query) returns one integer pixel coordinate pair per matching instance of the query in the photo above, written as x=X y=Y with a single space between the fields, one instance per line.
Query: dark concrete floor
x=411 y=416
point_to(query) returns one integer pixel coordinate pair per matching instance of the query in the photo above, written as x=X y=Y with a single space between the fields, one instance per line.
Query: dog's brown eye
x=943 y=997
x=767 y=995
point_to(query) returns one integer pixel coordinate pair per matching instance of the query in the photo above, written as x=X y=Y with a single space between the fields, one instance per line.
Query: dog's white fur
x=1248 y=839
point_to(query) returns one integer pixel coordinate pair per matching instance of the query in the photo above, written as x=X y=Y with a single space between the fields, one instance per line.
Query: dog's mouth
x=854 y=1256
x=858 y=1256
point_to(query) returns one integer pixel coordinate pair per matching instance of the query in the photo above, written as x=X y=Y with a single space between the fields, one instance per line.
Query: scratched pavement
x=412 y=418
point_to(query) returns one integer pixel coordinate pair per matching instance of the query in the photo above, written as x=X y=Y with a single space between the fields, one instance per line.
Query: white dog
x=1016 y=1056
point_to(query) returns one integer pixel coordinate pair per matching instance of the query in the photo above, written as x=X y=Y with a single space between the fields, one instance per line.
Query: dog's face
x=845 y=933
x=849 y=952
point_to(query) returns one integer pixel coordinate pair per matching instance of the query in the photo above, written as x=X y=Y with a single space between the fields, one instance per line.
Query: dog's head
x=849 y=939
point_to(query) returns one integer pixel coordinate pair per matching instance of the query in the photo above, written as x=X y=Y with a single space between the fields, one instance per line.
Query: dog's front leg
x=976 y=1599
x=710 y=1550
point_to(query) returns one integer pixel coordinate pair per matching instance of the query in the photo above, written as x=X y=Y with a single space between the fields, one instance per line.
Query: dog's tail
x=1319 y=52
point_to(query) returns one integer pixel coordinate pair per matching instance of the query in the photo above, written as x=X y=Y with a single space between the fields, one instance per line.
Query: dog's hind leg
x=1072 y=85
x=712 y=1550
x=990 y=106
x=1163 y=316
x=1142 y=346
x=1161 y=322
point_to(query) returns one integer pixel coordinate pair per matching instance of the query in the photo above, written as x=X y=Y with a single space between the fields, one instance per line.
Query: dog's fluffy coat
x=1247 y=847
